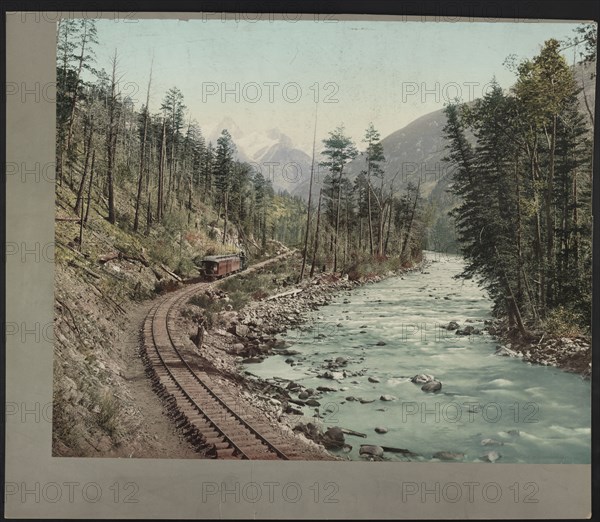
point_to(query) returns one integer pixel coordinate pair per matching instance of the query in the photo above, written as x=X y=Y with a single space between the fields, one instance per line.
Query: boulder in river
x=449 y=455
x=381 y=343
x=381 y=429
x=452 y=325
x=432 y=386
x=313 y=402
x=387 y=398
x=370 y=451
x=325 y=389
x=422 y=378
x=303 y=395
x=333 y=438
x=332 y=375
x=374 y=379
x=366 y=401
x=467 y=330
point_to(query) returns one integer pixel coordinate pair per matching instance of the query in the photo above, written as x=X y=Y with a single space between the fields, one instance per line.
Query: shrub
x=108 y=418
x=563 y=322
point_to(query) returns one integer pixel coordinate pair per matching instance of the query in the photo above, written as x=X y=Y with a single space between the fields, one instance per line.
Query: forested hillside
x=150 y=172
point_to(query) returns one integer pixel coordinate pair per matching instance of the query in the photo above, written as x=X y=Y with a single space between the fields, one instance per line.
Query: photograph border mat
x=145 y=488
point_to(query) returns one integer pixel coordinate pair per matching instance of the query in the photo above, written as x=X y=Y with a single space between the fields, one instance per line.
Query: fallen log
x=69 y=219
x=346 y=431
x=285 y=294
x=298 y=402
x=108 y=257
x=86 y=270
x=120 y=255
x=172 y=274
x=397 y=450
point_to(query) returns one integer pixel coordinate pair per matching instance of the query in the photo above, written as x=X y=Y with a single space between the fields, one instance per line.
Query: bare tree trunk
x=91 y=186
x=225 y=217
x=369 y=208
x=337 y=221
x=389 y=228
x=550 y=261
x=78 y=202
x=161 y=175
x=111 y=144
x=314 y=258
x=138 y=199
x=76 y=93
x=312 y=166
x=410 y=221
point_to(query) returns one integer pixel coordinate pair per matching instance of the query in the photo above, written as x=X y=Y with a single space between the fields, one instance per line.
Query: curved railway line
x=209 y=412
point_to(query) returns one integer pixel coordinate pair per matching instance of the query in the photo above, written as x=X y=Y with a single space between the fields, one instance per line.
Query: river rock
x=333 y=438
x=432 y=386
x=381 y=343
x=467 y=330
x=364 y=326
x=448 y=455
x=503 y=351
x=313 y=402
x=371 y=451
x=241 y=330
x=237 y=348
x=452 y=325
x=381 y=429
x=422 y=378
x=292 y=386
x=491 y=442
x=514 y=433
x=292 y=411
x=325 y=389
x=366 y=401
x=387 y=398
x=491 y=456
x=341 y=361
x=374 y=379
x=303 y=395
x=288 y=352
x=332 y=375
x=351 y=398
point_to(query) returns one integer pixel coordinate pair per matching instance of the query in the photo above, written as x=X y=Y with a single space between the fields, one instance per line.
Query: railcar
x=216 y=267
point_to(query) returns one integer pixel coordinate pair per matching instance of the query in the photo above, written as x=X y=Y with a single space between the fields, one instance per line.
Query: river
x=524 y=413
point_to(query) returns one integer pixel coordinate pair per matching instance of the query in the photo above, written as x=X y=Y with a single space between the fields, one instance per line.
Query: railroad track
x=212 y=417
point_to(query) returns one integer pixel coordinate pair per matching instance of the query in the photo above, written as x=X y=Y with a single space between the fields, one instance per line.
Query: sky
x=271 y=74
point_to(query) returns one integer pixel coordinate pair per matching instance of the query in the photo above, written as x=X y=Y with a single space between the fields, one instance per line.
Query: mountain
x=273 y=152
x=412 y=152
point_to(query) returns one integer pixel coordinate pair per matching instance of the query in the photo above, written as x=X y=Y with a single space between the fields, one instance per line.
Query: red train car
x=216 y=267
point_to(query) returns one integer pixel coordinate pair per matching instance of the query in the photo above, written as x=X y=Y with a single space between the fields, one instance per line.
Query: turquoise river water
x=525 y=413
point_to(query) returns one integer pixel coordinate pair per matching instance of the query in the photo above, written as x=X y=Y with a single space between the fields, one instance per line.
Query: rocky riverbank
x=571 y=354
x=248 y=336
